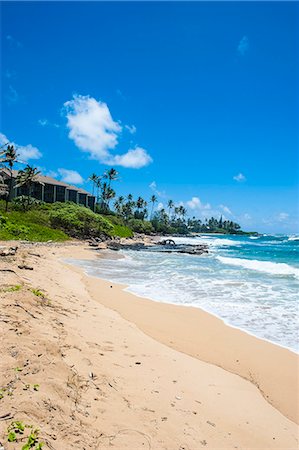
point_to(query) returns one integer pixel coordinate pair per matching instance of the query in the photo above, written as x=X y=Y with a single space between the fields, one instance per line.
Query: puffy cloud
x=243 y=46
x=91 y=126
x=70 y=176
x=25 y=152
x=239 y=177
x=134 y=158
x=160 y=206
x=195 y=203
x=94 y=131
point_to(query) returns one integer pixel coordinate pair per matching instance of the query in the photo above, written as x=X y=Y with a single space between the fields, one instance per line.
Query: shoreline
x=126 y=288
x=217 y=334
x=104 y=380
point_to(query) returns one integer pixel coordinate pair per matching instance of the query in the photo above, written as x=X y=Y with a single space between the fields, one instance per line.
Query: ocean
x=251 y=282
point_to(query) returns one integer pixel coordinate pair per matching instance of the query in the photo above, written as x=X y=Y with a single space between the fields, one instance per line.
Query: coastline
x=107 y=381
x=218 y=343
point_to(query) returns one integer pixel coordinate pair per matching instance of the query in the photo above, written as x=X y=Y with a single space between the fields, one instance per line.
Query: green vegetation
x=79 y=221
x=15 y=288
x=33 y=225
x=30 y=219
x=37 y=293
x=16 y=432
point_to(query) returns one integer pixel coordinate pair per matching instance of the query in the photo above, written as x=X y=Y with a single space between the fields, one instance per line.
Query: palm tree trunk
x=8 y=197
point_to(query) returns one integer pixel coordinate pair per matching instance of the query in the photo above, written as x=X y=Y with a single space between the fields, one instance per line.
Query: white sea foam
x=261 y=266
x=293 y=238
x=212 y=241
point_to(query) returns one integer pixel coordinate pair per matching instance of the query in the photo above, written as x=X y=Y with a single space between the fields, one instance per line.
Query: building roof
x=47 y=180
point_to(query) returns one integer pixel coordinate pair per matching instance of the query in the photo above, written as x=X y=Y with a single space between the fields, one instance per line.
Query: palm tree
x=9 y=157
x=176 y=212
x=153 y=200
x=93 y=178
x=182 y=211
x=110 y=194
x=27 y=177
x=111 y=175
x=98 y=185
x=170 y=205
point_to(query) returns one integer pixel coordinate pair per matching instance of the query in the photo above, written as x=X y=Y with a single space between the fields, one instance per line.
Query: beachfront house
x=50 y=190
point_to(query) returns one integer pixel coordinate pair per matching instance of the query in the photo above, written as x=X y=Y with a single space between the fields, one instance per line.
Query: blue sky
x=197 y=102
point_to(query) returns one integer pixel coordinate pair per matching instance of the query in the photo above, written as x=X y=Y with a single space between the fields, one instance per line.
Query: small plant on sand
x=38 y=293
x=16 y=432
x=15 y=288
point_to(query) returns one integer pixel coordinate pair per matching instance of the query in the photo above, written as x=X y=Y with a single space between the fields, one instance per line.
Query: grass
x=122 y=231
x=15 y=288
x=38 y=293
x=33 y=225
x=37 y=224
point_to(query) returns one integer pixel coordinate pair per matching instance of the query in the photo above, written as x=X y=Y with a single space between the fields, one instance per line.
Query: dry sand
x=116 y=371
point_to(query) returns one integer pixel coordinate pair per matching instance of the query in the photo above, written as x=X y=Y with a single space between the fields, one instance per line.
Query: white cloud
x=10 y=74
x=12 y=95
x=160 y=206
x=239 y=177
x=91 y=126
x=247 y=216
x=134 y=158
x=283 y=216
x=243 y=46
x=28 y=152
x=51 y=173
x=43 y=122
x=13 y=41
x=154 y=188
x=47 y=123
x=226 y=209
x=131 y=128
x=70 y=176
x=95 y=132
x=25 y=152
x=195 y=203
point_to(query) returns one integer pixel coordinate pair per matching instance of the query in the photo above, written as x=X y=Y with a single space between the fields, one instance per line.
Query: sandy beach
x=117 y=371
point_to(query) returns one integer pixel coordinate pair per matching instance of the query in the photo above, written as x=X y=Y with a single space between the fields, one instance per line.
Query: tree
x=93 y=178
x=111 y=175
x=170 y=206
x=9 y=157
x=153 y=200
x=27 y=177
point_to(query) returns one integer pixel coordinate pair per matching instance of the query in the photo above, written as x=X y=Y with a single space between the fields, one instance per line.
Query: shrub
x=79 y=221
x=141 y=226
x=122 y=231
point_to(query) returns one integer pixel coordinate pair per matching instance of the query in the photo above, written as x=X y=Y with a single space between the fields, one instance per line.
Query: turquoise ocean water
x=250 y=282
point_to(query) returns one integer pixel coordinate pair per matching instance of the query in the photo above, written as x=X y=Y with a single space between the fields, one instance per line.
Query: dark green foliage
x=141 y=226
x=79 y=221
x=214 y=226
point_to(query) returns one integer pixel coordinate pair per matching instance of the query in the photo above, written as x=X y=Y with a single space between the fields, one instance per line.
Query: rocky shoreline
x=142 y=242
